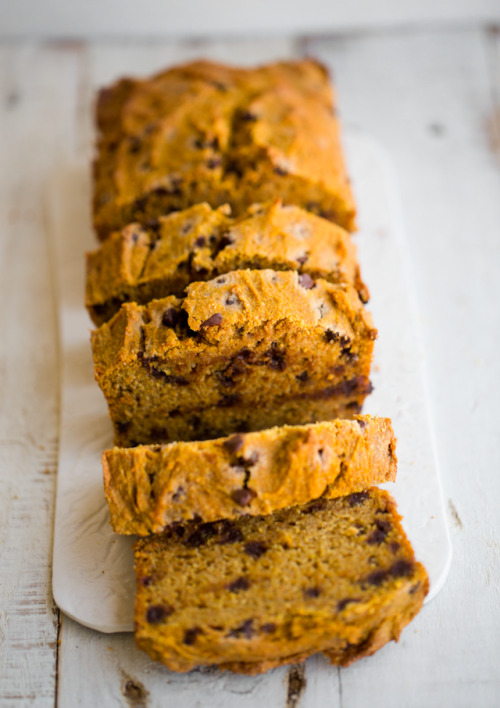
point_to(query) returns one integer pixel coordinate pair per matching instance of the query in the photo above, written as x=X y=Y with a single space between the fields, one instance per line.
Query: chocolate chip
x=358 y=498
x=303 y=376
x=134 y=144
x=317 y=505
x=157 y=613
x=243 y=497
x=214 y=162
x=200 y=241
x=233 y=299
x=361 y=423
x=342 y=604
x=170 y=317
x=248 y=117
x=123 y=426
x=153 y=225
x=191 y=634
x=303 y=259
x=414 y=588
x=241 y=583
x=200 y=536
x=146 y=581
x=276 y=358
x=231 y=399
x=377 y=577
x=245 y=629
x=401 y=569
x=394 y=546
x=234 y=443
x=306 y=281
x=380 y=532
x=311 y=592
x=230 y=533
x=255 y=549
x=320 y=454
x=281 y=171
x=213 y=321
x=331 y=336
x=269 y=627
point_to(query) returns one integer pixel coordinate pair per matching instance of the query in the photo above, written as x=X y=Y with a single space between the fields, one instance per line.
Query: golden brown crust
x=149 y=487
x=141 y=263
x=259 y=348
x=337 y=576
x=207 y=132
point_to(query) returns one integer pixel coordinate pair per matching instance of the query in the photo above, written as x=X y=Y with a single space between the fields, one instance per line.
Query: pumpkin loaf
x=246 y=351
x=150 y=487
x=334 y=576
x=206 y=132
x=162 y=257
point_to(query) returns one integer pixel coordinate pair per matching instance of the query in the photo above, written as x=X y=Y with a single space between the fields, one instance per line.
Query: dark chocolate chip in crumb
x=379 y=535
x=358 y=498
x=157 y=613
x=303 y=376
x=361 y=423
x=230 y=533
x=331 y=336
x=234 y=443
x=170 y=317
x=281 y=171
x=311 y=592
x=317 y=505
x=303 y=259
x=306 y=281
x=241 y=583
x=213 y=321
x=249 y=117
x=243 y=497
x=268 y=627
x=134 y=144
x=190 y=635
x=244 y=630
x=342 y=604
x=200 y=535
x=255 y=549
x=402 y=569
x=200 y=241
x=146 y=580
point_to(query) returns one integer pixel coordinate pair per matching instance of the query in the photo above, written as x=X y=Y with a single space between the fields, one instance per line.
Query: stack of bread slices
x=234 y=350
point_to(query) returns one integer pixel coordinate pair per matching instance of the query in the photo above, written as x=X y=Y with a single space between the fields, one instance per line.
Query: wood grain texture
x=29 y=386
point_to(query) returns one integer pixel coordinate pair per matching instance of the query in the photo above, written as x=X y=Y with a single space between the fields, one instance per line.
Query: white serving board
x=93 y=579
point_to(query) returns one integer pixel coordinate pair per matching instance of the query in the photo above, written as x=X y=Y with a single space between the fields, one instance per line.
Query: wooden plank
x=33 y=111
x=428 y=97
x=118 y=18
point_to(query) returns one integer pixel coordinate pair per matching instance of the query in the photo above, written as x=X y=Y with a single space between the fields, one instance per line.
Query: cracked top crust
x=208 y=132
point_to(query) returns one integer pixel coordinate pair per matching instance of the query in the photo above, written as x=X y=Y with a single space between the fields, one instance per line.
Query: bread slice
x=162 y=257
x=336 y=576
x=150 y=487
x=206 y=132
x=246 y=351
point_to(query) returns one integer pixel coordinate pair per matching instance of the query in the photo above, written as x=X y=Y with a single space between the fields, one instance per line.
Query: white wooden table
x=432 y=97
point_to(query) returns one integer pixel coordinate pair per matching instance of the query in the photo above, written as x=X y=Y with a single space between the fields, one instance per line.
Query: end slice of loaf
x=246 y=351
x=160 y=258
x=334 y=576
x=206 y=132
x=150 y=487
